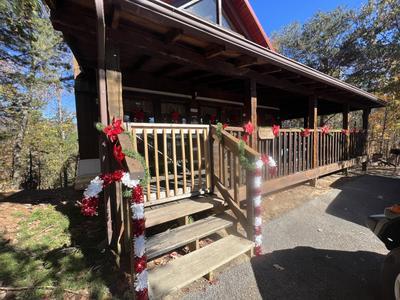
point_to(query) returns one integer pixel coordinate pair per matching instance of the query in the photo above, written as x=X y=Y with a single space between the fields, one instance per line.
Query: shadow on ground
x=309 y=273
x=361 y=196
x=87 y=237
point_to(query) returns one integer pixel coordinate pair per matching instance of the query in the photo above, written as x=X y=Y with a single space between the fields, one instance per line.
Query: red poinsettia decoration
x=213 y=118
x=224 y=125
x=139 y=115
x=325 y=129
x=345 y=131
x=248 y=128
x=275 y=129
x=113 y=130
x=117 y=175
x=118 y=154
x=305 y=132
x=175 y=116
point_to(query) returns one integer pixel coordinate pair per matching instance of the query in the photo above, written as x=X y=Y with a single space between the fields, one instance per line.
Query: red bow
x=175 y=116
x=325 y=129
x=275 y=129
x=345 y=131
x=118 y=154
x=248 y=128
x=113 y=130
x=305 y=132
x=224 y=125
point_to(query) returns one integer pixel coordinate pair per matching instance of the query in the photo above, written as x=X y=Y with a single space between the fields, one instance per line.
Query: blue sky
x=273 y=15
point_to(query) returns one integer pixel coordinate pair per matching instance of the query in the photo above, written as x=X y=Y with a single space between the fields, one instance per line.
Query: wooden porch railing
x=293 y=152
x=231 y=180
x=177 y=157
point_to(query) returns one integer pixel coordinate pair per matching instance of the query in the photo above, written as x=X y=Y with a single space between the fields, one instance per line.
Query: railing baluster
x=174 y=162
x=191 y=160
x=198 y=144
x=146 y=158
x=183 y=160
x=157 y=170
x=207 y=158
x=165 y=148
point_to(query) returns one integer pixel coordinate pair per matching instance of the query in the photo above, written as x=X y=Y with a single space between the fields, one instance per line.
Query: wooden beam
x=115 y=16
x=114 y=83
x=251 y=103
x=313 y=123
x=173 y=35
x=365 y=117
x=346 y=109
x=245 y=61
x=214 y=51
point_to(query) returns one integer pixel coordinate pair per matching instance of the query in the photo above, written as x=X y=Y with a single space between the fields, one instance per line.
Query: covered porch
x=172 y=77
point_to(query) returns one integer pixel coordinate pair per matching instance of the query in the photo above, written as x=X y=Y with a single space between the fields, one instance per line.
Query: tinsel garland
x=89 y=206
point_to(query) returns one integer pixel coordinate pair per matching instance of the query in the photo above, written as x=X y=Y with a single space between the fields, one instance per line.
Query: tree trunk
x=16 y=172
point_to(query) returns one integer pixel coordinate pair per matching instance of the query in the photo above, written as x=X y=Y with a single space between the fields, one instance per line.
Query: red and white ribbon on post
x=270 y=163
x=89 y=206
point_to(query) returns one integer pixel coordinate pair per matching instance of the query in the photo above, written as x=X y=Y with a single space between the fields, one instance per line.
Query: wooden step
x=179 y=209
x=180 y=272
x=178 y=237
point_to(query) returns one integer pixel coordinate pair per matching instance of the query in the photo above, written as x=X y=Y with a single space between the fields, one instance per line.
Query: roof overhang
x=159 y=30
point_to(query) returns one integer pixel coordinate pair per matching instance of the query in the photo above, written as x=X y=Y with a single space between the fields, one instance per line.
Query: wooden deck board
x=183 y=235
x=186 y=269
x=180 y=209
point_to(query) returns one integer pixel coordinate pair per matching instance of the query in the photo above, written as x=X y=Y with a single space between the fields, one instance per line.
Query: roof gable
x=236 y=15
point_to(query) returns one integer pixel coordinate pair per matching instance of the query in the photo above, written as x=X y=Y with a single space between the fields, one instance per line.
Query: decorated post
x=132 y=189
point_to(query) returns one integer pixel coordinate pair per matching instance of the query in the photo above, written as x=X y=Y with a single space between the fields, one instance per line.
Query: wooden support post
x=87 y=114
x=365 y=118
x=251 y=114
x=346 y=156
x=114 y=84
x=313 y=123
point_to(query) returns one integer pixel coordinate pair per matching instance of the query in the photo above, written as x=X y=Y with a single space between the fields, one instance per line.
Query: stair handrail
x=232 y=144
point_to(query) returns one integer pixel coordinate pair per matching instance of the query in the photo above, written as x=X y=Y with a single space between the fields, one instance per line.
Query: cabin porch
x=171 y=77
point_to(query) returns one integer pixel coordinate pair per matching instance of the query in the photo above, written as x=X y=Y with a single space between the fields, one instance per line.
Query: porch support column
x=346 y=109
x=251 y=114
x=114 y=84
x=313 y=124
x=365 y=117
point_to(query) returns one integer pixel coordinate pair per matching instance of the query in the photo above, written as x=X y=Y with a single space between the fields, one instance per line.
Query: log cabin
x=171 y=70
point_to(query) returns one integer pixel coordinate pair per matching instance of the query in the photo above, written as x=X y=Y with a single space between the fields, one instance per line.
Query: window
x=205 y=9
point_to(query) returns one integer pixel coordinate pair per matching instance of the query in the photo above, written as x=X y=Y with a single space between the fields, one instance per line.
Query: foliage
x=43 y=256
x=35 y=67
x=361 y=47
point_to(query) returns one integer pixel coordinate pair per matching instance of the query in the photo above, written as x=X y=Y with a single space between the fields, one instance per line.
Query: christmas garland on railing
x=132 y=190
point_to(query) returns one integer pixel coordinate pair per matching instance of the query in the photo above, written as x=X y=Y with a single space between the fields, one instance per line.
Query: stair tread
x=188 y=268
x=172 y=239
x=176 y=210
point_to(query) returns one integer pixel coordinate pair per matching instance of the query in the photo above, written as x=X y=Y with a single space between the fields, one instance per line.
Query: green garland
x=219 y=129
x=134 y=155
x=243 y=159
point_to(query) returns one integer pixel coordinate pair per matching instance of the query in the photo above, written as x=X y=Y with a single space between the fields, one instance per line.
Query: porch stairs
x=211 y=218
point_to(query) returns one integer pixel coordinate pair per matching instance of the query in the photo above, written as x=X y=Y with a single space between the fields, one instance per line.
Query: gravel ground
x=320 y=250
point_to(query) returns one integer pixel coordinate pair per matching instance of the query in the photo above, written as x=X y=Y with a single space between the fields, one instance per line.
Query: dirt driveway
x=318 y=250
